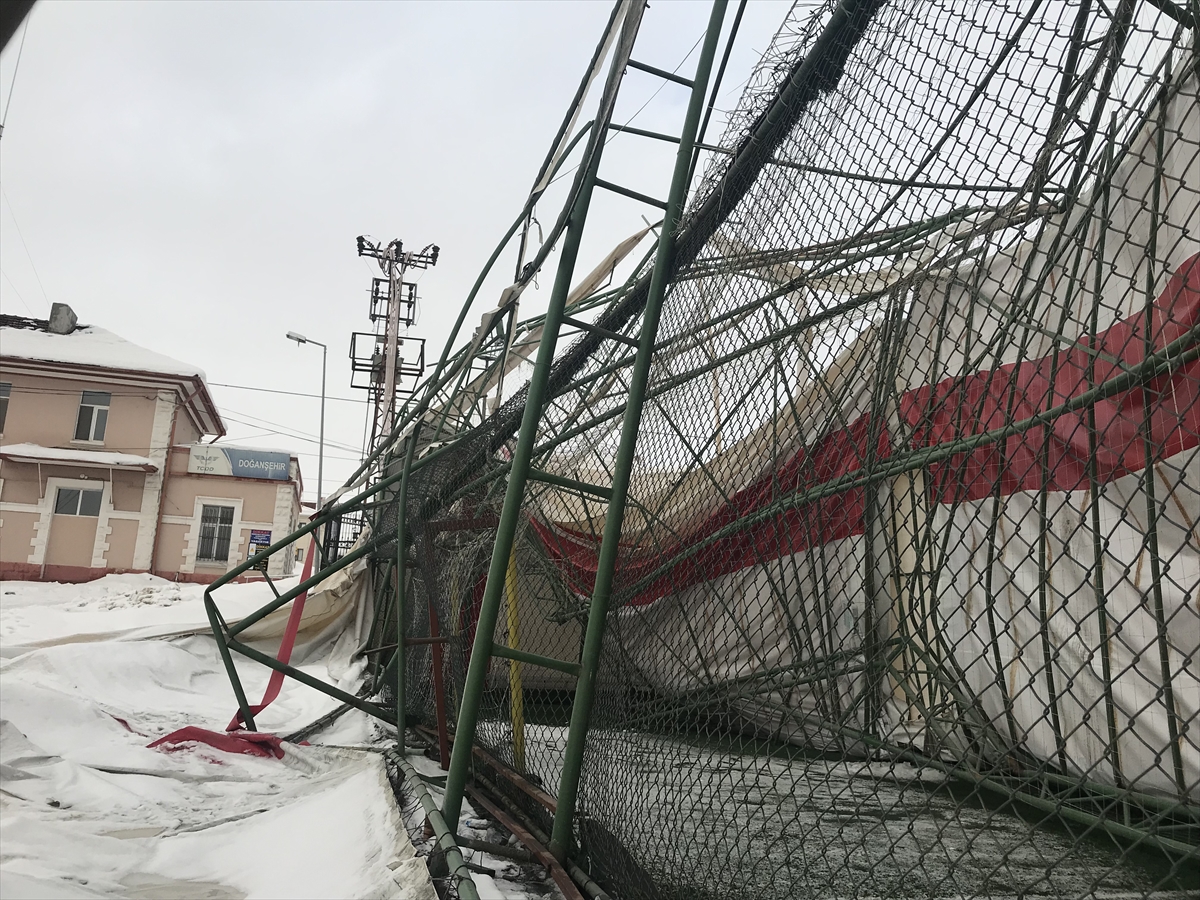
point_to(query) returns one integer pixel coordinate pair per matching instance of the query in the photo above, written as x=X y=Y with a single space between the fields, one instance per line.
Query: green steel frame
x=521 y=469
x=397 y=457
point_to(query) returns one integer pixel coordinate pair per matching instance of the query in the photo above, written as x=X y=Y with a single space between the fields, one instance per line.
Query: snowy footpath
x=90 y=675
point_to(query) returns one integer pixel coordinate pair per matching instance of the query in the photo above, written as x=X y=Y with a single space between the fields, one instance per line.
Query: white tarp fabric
x=681 y=641
x=88 y=810
x=970 y=310
x=524 y=345
x=338 y=611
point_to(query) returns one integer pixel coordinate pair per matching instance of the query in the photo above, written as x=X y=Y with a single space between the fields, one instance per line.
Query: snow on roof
x=228 y=446
x=90 y=346
x=102 y=458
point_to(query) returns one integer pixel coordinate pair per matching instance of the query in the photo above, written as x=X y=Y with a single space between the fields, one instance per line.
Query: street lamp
x=301 y=339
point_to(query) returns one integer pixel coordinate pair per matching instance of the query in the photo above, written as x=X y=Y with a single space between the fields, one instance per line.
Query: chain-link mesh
x=908 y=596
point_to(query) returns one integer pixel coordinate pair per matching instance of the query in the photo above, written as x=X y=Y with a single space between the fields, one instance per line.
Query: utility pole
x=301 y=339
x=399 y=298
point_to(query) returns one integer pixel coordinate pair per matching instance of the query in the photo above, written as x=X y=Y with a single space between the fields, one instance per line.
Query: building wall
x=127 y=488
x=258 y=505
x=44 y=411
x=20 y=483
x=121 y=543
x=127 y=535
x=17 y=531
x=162 y=436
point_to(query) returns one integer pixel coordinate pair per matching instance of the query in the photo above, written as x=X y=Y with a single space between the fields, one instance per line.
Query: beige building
x=104 y=468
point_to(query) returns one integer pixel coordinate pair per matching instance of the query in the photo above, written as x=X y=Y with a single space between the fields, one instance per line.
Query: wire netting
x=908 y=596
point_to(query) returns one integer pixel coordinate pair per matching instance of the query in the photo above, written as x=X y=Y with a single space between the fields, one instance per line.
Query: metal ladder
x=522 y=470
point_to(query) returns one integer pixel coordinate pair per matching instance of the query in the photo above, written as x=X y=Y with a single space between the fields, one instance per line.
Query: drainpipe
x=162 y=491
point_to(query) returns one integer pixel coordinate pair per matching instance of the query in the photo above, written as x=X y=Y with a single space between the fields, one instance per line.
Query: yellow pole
x=517 y=703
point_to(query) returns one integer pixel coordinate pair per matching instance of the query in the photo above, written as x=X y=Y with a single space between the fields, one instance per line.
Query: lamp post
x=301 y=339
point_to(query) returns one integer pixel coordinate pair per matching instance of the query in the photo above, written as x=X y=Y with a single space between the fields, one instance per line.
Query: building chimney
x=62 y=319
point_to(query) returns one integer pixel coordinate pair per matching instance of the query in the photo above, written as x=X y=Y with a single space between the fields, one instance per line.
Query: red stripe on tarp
x=951 y=409
x=809 y=524
x=275 y=685
x=1058 y=454
x=252 y=743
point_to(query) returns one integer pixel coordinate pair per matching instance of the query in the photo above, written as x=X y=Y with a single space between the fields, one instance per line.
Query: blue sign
x=258 y=464
x=205 y=459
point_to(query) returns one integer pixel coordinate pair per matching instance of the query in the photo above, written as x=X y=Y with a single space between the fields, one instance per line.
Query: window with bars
x=216 y=530
x=93 y=416
x=5 y=393
x=77 y=502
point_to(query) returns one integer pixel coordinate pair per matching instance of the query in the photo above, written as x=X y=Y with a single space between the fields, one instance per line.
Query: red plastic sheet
x=765 y=537
x=253 y=743
x=275 y=685
x=951 y=409
x=1165 y=410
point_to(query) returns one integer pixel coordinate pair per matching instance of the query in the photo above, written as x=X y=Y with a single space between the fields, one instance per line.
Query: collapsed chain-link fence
x=912 y=557
x=908 y=598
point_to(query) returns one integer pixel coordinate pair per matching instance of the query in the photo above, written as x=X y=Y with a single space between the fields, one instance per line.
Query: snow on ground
x=116 y=607
x=93 y=673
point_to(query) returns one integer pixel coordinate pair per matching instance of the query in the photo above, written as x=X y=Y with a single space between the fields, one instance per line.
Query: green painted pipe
x=401 y=558
x=317 y=684
x=218 y=630
x=445 y=837
x=581 y=712
x=481 y=651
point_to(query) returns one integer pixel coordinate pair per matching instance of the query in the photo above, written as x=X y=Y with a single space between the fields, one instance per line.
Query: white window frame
x=79 y=491
x=93 y=418
x=191 y=538
x=40 y=542
x=5 y=396
x=216 y=538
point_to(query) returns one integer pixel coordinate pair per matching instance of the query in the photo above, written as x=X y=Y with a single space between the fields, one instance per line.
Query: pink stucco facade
x=84 y=492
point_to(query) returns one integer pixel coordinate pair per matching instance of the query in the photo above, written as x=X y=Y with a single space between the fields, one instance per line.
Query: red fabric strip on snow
x=961 y=407
x=796 y=529
x=252 y=743
x=275 y=685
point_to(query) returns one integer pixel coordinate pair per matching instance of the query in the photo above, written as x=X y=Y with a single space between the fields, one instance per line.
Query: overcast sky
x=192 y=176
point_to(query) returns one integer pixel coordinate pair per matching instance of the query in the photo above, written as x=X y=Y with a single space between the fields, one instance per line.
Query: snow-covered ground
x=93 y=673
x=35 y=615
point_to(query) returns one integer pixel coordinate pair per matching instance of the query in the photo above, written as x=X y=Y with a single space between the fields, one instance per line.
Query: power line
x=292 y=435
x=300 y=436
x=32 y=389
x=12 y=212
x=256 y=422
x=12 y=84
x=247 y=387
x=15 y=291
x=290 y=428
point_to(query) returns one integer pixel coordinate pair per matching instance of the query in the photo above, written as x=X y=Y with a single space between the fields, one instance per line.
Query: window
x=76 y=502
x=93 y=416
x=5 y=393
x=216 y=529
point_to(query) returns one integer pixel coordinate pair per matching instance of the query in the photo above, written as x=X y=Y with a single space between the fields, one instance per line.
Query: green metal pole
x=401 y=553
x=585 y=691
x=446 y=839
x=481 y=652
x=218 y=631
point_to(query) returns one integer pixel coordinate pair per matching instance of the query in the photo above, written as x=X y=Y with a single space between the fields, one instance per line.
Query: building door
x=73 y=527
